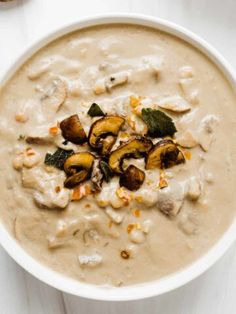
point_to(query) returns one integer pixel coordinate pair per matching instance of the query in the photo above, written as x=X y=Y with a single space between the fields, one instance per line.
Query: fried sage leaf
x=158 y=123
x=95 y=111
x=58 y=158
x=106 y=170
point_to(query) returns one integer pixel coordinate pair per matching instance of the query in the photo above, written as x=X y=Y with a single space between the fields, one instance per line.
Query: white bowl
x=147 y=289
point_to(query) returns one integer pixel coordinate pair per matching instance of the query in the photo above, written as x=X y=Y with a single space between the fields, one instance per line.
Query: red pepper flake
x=81 y=191
x=57 y=189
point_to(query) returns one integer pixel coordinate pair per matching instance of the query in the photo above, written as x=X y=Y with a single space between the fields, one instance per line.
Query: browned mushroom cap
x=76 y=179
x=136 y=148
x=72 y=130
x=165 y=154
x=132 y=178
x=103 y=133
x=78 y=168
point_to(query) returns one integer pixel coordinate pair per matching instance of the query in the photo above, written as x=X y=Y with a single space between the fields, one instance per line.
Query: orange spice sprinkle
x=188 y=155
x=87 y=205
x=132 y=226
x=163 y=181
x=139 y=198
x=134 y=101
x=29 y=151
x=137 y=213
x=53 y=130
x=110 y=224
x=57 y=189
x=80 y=191
x=123 y=195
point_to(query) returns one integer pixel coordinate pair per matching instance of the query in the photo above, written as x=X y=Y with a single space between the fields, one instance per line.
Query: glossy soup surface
x=115 y=235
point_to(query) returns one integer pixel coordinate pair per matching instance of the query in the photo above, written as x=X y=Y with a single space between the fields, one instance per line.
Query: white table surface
x=23 y=21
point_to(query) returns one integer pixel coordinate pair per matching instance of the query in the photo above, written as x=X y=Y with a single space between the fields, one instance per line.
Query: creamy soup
x=118 y=155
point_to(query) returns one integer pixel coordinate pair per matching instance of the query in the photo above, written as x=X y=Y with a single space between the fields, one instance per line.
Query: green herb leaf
x=58 y=158
x=106 y=170
x=158 y=123
x=95 y=111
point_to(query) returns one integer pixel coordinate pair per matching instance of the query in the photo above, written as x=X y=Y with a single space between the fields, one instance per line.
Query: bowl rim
x=150 y=288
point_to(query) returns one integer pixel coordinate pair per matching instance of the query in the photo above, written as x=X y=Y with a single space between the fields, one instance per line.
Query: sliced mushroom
x=55 y=95
x=136 y=148
x=107 y=144
x=165 y=154
x=132 y=178
x=76 y=179
x=103 y=133
x=175 y=103
x=78 y=168
x=72 y=130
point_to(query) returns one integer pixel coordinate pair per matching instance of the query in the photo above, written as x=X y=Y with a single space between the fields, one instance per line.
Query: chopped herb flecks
x=106 y=170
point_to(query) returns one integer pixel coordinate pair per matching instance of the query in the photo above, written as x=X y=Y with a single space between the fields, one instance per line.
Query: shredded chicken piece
x=146 y=226
x=189 y=90
x=55 y=95
x=170 y=199
x=186 y=72
x=108 y=83
x=115 y=216
x=44 y=185
x=194 y=188
x=206 y=131
x=90 y=260
x=137 y=236
x=187 y=139
x=174 y=103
